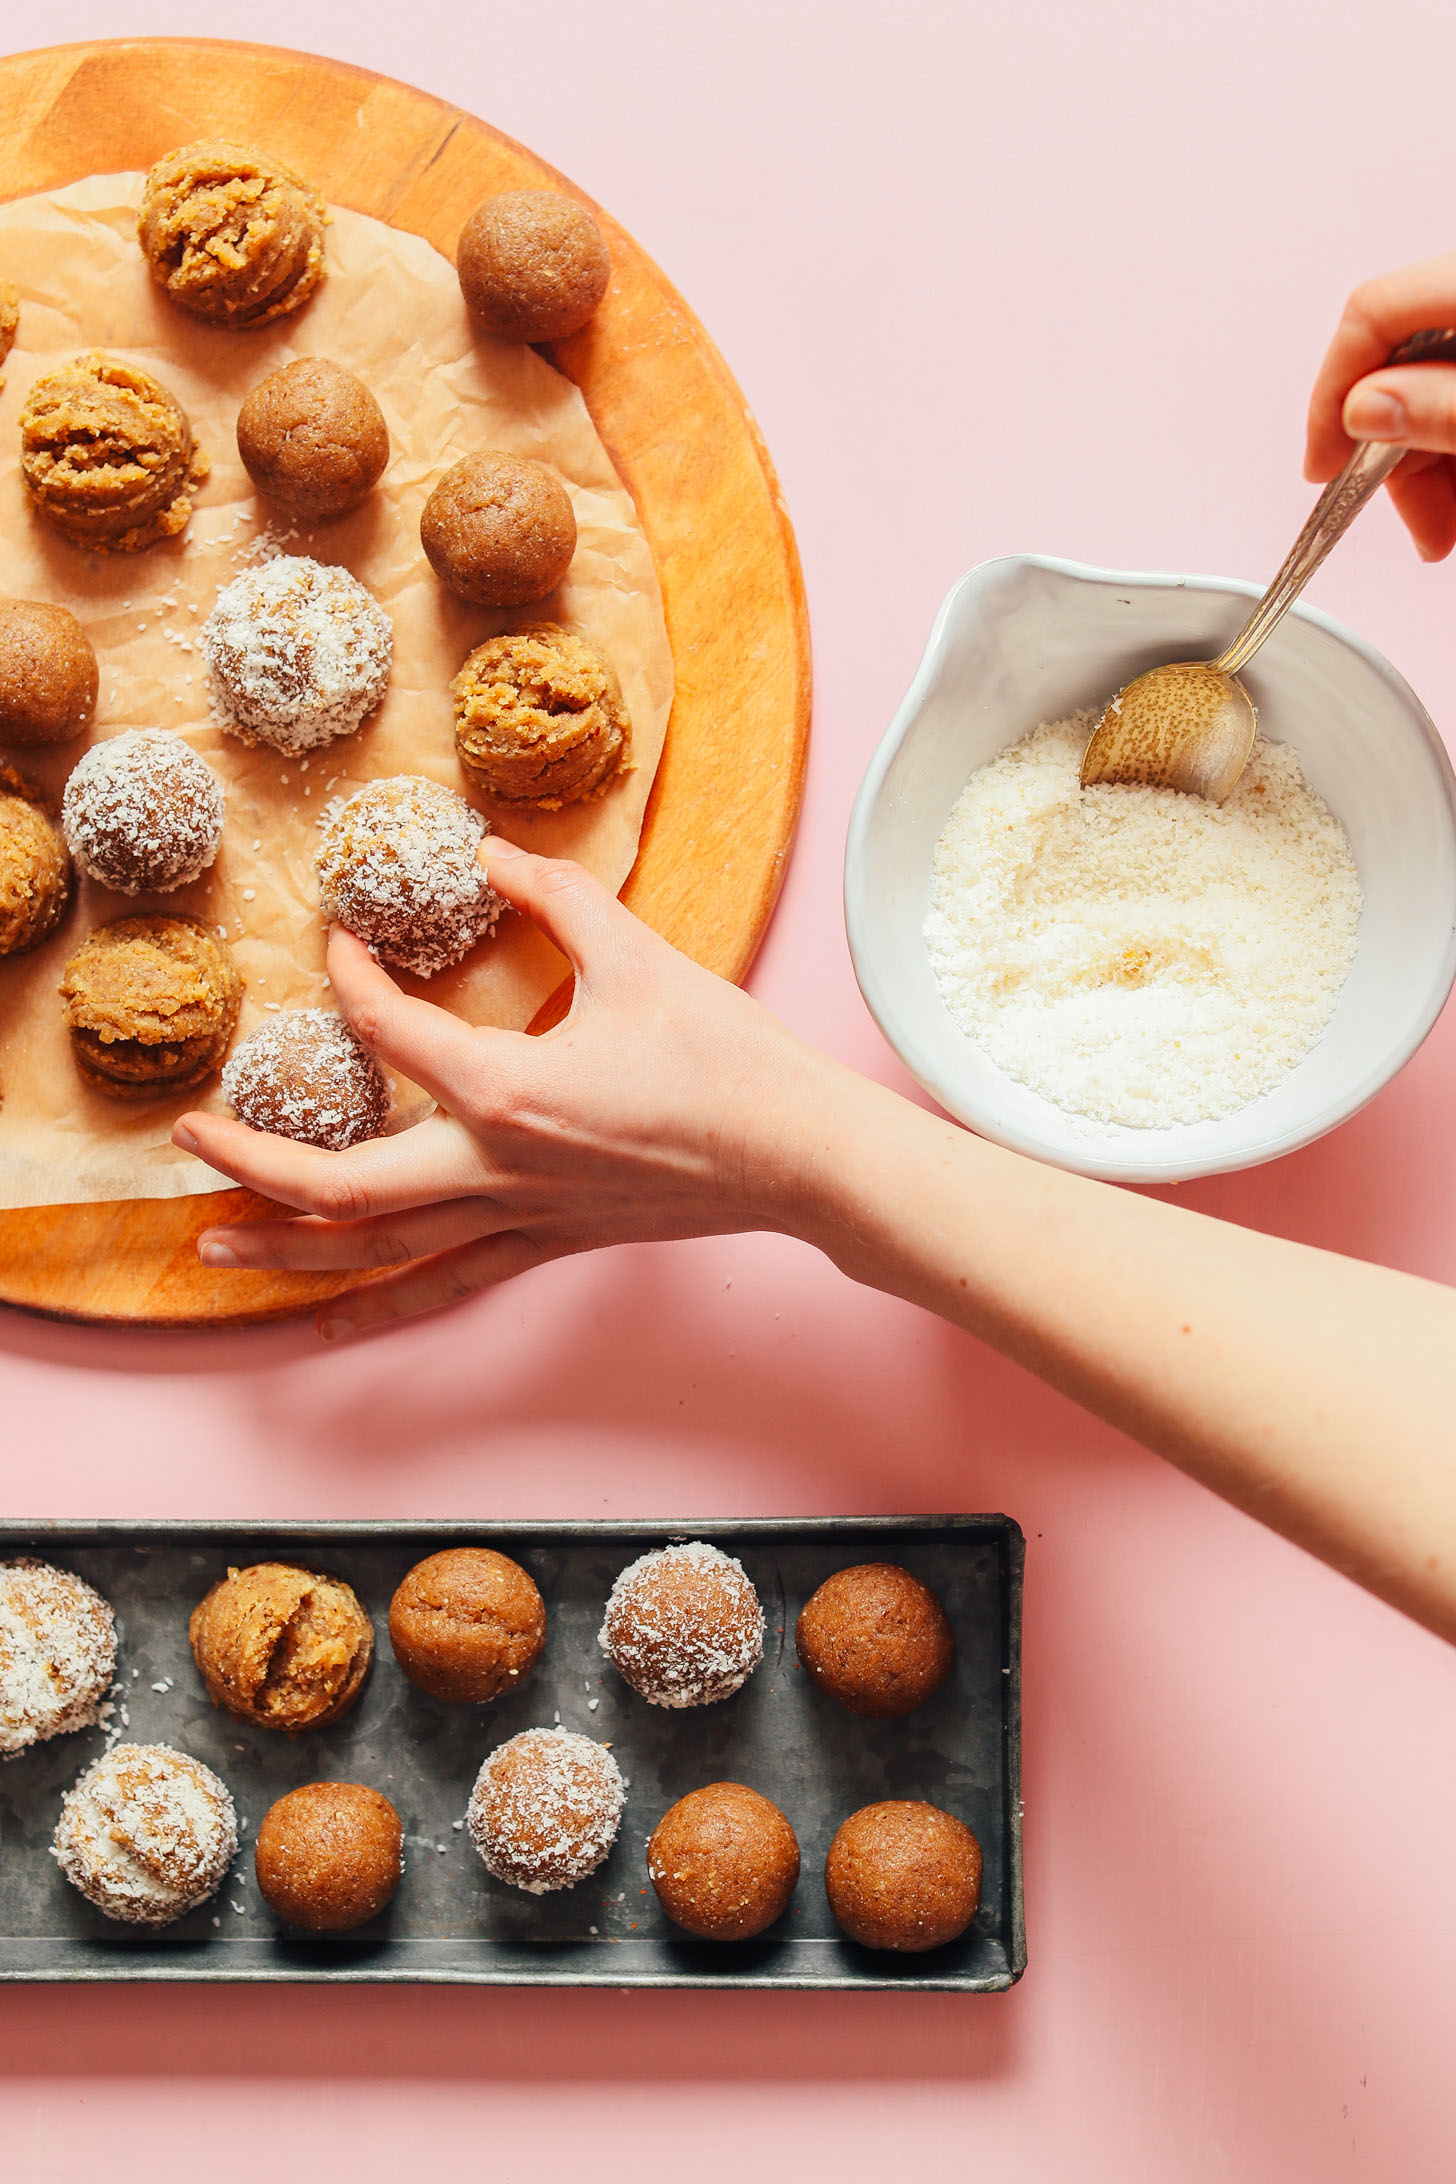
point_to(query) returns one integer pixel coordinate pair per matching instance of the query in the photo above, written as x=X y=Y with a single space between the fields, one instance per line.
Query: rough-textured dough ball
x=280 y=1647
x=107 y=455
x=150 y=1004
x=876 y=1639
x=724 y=1862
x=532 y=264
x=313 y=438
x=545 y=1809
x=142 y=812
x=683 y=1626
x=35 y=867
x=9 y=319
x=146 y=1834
x=48 y=673
x=539 y=718
x=304 y=1075
x=231 y=236
x=467 y=1624
x=499 y=530
x=57 y=1652
x=299 y=653
x=903 y=1875
x=398 y=866
x=327 y=1856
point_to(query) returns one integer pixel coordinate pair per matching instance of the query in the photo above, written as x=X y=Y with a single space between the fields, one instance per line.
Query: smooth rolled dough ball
x=545 y=1809
x=327 y=1856
x=281 y=1647
x=303 y=1075
x=724 y=1862
x=35 y=867
x=532 y=265
x=313 y=438
x=48 y=673
x=467 y=1624
x=539 y=718
x=57 y=1652
x=146 y=1834
x=107 y=455
x=150 y=1004
x=903 y=1875
x=231 y=236
x=499 y=530
x=876 y=1639
x=143 y=812
x=683 y=1625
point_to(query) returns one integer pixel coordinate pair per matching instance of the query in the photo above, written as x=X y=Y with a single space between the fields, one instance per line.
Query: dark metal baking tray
x=450 y=1921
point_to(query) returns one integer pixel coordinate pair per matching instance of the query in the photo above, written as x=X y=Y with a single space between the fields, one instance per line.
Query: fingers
x=428 y=1044
x=592 y=929
x=1414 y=404
x=432 y=1283
x=437 y=1159
x=1379 y=315
x=312 y=1245
x=1424 y=492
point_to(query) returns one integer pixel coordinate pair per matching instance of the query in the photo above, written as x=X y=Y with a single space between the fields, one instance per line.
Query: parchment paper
x=391 y=312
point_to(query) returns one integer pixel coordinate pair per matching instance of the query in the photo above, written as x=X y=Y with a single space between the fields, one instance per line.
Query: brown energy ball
x=35 y=868
x=231 y=236
x=143 y=813
x=398 y=866
x=150 y=1004
x=107 y=455
x=876 y=1639
x=532 y=265
x=499 y=530
x=724 y=1862
x=48 y=674
x=280 y=1647
x=327 y=1856
x=545 y=1809
x=304 y=1075
x=467 y=1624
x=313 y=438
x=903 y=1875
x=539 y=718
x=683 y=1626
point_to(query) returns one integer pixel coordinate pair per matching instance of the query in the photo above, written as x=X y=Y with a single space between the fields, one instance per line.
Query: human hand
x=667 y=1104
x=1355 y=398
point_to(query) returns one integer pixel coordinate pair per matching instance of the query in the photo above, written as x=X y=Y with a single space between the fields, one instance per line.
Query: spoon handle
x=1333 y=513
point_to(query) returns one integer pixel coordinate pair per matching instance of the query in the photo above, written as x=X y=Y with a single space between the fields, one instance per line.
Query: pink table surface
x=1048 y=277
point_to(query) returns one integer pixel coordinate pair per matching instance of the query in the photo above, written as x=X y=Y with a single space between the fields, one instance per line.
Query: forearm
x=1313 y=1391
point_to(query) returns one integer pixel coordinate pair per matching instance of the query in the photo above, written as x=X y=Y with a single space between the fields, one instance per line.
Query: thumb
x=1413 y=403
x=594 y=931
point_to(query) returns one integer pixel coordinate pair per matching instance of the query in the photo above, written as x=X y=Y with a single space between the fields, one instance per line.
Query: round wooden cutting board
x=721 y=819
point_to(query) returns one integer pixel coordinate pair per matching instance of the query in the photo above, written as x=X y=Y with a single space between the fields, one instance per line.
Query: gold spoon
x=1191 y=725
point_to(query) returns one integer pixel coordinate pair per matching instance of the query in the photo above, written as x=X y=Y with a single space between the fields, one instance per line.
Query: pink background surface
x=1051 y=278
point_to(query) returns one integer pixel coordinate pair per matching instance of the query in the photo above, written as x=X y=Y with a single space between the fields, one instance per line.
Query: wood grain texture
x=721 y=819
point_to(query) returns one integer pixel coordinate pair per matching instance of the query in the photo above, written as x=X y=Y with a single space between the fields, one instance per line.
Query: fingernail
x=494 y=847
x=215 y=1254
x=183 y=1138
x=1375 y=415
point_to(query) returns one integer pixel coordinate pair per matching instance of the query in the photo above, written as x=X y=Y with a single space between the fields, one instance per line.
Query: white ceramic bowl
x=1025 y=640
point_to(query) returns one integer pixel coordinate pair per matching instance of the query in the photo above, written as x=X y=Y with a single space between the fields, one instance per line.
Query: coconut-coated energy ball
x=146 y=1834
x=876 y=1639
x=545 y=1809
x=903 y=1875
x=499 y=530
x=298 y=653
x=57 y=1652
x=35 y=867
x=724 y=1862
x=532 y=264
x=48 y=673
x=143 y=812
x=683 y=1626
x=328 y=1857
x=398 y=865
x=467 y=1624
x=303 y=1075
x=313 y=439
x=282 y=1647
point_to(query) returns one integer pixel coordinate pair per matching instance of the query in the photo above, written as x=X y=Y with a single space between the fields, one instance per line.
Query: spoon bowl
x=1185 y=726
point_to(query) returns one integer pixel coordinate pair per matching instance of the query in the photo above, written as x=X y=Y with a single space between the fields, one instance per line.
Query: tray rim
x=990 y=1526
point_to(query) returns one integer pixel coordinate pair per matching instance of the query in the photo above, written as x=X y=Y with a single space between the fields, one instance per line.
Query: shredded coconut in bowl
x=1136 y=955
x=299 y=653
